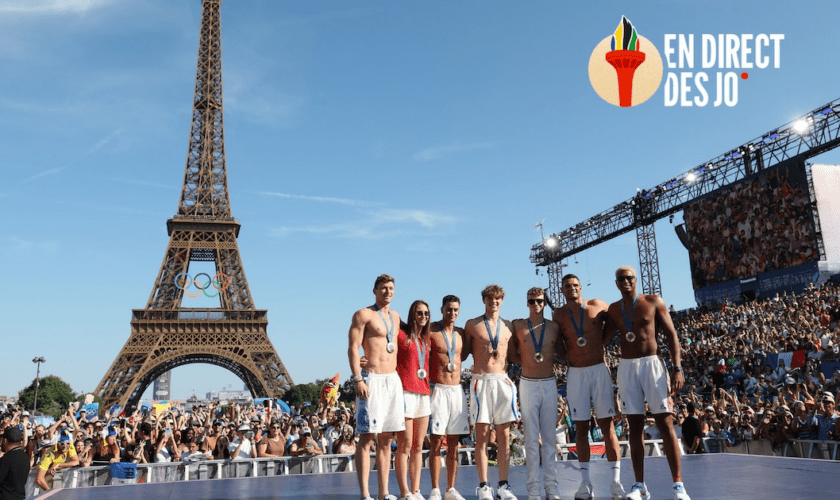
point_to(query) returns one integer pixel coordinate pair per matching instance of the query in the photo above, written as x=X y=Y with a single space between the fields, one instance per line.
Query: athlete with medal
x=589 y=383
x=449 y=403
x=642 y=376
x=379 y=393
x=534 y=344
x=413 y=369
x=492 y=393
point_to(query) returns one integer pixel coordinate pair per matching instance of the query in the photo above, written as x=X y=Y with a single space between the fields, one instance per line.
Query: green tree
x=54 y=396
x=302 y=393
x=347 y=393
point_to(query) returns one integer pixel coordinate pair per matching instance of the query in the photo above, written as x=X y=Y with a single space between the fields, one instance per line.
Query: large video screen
x=759 y=224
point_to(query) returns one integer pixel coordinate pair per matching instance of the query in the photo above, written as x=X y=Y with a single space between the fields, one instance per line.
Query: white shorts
x=590 y=387
x=492 y=399
x=416 y=405
x=449 y=410
x=384 y=409
x=644 y=379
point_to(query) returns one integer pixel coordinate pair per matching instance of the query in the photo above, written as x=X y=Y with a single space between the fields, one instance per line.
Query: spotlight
x=800 y=126
x=690 y=177
x=551 y=242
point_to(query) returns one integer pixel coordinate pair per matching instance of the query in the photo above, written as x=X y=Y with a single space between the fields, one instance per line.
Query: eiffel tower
x=165 y=335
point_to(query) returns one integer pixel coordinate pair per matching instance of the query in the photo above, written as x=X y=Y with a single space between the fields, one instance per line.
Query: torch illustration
x=625 y=57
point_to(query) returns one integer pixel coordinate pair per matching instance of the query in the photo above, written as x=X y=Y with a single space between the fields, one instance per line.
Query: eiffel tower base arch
x=163 y=340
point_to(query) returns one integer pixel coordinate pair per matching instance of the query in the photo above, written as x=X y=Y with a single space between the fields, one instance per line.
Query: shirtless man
x=274 y=443
x=492 y=393
x=449 y=403
x=533 y=346
x=642 y=375
x=379 y=394
x=589 y=381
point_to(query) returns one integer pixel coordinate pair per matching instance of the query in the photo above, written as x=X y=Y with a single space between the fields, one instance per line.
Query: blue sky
x=419 y=139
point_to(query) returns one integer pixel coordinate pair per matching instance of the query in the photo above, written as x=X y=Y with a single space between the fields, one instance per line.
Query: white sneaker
x=638 y=491
x=485 y=493
x=534 y=492
x=679 y=492
x=435 y=494
x=584 y=492
x=617 y=491
x=552 y=492
x=452 y=494
x=505 y=493
x=418 y=496
x=389 y=497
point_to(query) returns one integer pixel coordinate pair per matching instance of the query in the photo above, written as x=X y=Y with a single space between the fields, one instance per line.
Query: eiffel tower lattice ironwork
x=165 y=335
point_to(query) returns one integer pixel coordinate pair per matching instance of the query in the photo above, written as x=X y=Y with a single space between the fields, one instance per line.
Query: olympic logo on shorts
x=216 y=283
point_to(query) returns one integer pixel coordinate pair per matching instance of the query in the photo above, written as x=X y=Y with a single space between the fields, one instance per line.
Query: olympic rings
x=202 y=288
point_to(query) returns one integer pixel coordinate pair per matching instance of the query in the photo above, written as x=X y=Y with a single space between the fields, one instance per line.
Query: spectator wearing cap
x=62 y=455
x=804 y=424
x=826 y=417
x=242 y=448
x=107 y=450
x=14 y=465
x=306 y=445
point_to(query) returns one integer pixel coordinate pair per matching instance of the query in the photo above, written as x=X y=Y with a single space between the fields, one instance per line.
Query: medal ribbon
x=421 y=357
x=493 y=341
x=537 y=346
x=450 y=349
x=628 y=322
x=389 y=330
x=578 y=329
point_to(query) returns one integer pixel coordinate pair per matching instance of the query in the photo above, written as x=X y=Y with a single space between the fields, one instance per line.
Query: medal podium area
x=706 y=477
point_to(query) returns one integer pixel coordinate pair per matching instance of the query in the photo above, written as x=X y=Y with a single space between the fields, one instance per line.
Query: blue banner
x=92 y=410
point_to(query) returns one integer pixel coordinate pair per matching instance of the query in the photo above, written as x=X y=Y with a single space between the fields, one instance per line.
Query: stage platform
x=706 y=477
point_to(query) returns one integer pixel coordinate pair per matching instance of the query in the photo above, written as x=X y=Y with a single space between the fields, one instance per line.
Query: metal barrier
x=79 y=477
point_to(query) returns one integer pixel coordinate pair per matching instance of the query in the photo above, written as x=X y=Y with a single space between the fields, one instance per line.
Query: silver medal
x=581 y=342
x=390 y=347
x=450 y=367
x=539 y=357
x=630 y=336
x=421 y=374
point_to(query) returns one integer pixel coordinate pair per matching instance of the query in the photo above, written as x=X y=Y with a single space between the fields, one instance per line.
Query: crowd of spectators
x=731 y=392
x=207 y=432
x=756 y=226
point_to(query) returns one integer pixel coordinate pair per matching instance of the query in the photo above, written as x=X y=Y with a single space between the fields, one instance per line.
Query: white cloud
x=102 y=142
x=45 y=173
x=436 y=153
x=321 y=199
x=16 y=243
x=425 y=219
x=47 y=7
x=140 y=182
x=378 y=225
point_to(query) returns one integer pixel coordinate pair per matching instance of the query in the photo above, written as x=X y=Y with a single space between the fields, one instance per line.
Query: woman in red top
x=413 y=369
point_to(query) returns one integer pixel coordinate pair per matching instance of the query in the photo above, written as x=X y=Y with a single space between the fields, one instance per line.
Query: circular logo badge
x=625 y=69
